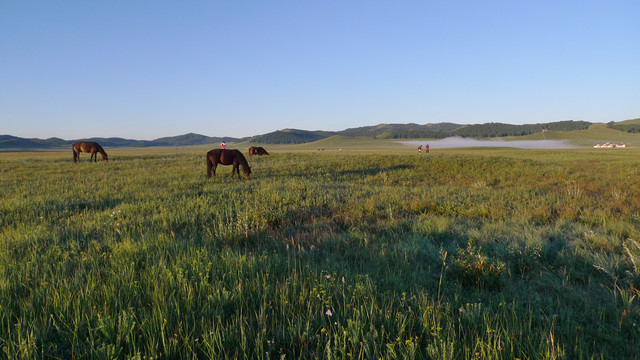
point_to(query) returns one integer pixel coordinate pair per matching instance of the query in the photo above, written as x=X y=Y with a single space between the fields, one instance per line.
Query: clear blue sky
x=148 y=69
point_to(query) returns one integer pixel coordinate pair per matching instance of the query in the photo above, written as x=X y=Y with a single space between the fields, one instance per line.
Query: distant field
x=366 y=253
x=597 y=133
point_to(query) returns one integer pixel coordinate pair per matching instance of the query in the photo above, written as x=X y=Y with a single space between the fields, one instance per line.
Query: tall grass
x=321 y=255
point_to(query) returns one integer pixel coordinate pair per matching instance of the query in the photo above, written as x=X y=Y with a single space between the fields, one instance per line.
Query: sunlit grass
x=484 y=254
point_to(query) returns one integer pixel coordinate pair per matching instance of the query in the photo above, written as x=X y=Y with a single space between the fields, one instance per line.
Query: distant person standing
x=223 y=145
x=427 y=148
x=420 y=149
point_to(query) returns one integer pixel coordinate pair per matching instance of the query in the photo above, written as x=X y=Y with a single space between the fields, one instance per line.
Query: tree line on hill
x=491 y=130
x=294 y=136
x=626 y=127
x=415 y=131
x=290 y=136
x=14 y=142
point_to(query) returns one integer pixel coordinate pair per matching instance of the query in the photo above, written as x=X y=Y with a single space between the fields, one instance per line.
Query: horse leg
x=236 y=168
x=75 y=156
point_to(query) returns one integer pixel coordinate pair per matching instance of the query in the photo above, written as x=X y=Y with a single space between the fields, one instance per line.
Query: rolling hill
x=630 y=126
x=191 y=139
x=290 y=136
x=8 y=142
x=572 y=130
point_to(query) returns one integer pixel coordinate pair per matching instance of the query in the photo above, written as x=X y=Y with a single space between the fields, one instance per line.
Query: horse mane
x=243 y=162
x=101 y=151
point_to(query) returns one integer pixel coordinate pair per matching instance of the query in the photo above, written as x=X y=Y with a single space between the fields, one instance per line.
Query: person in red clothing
x=427 y=148
x=223 y=145
x=420 y=149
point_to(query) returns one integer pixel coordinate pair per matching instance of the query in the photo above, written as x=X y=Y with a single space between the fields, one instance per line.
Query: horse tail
x=209 y=165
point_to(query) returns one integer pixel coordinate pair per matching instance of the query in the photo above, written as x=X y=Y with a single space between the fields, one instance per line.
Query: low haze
x=459 y=142
x=146 y=69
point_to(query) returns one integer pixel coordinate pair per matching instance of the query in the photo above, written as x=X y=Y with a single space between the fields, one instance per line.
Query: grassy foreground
x=476 y=254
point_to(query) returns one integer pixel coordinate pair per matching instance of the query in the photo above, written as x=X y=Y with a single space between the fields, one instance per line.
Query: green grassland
x=367 y=253
x=596 y=133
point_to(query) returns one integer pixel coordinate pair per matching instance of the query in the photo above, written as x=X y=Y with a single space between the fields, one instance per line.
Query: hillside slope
x=596 y=133
x=578 y=132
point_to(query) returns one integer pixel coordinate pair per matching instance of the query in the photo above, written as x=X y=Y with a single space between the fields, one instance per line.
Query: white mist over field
x=455 y=142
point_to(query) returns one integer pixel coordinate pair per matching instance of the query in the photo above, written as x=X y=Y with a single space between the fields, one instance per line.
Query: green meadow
x=373 y=252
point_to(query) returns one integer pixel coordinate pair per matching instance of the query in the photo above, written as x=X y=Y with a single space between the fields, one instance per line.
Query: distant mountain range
x=14 y=142
x=294 y=136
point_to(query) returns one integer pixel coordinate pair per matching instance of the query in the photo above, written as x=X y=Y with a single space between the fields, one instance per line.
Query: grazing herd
x=214 y=157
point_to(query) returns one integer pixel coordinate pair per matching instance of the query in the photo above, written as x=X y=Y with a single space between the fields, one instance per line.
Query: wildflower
x=328 y=277
x=329 y=313
x=460 y=310
x=264 y=330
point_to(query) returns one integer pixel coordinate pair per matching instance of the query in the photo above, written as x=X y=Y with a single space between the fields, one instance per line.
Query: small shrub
x=632 y=255
x=523 y=260
x=472 y=268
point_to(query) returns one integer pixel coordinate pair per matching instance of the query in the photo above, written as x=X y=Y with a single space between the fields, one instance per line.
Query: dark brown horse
x=88 y=147
x=227 y=157
x=257 y=150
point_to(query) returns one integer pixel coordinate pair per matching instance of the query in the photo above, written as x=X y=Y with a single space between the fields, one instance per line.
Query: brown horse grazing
x=257 y=150
x=227 y=157
x=88 y=147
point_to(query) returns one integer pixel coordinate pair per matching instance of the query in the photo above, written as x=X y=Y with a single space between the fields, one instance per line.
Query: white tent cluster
x=609 y=146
